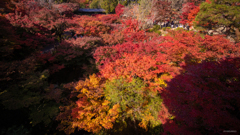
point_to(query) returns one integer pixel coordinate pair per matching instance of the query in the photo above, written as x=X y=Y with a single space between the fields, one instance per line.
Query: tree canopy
x=215 y=13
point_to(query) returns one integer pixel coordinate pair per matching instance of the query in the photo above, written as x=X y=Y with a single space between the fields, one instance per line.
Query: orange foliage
x=91 y=26
x=135 y=65
x=132 y=31
x=91 y=112
x=107 y=19
x=150 y=60
x=191 y=16
x=114 y=38
x=132 y=65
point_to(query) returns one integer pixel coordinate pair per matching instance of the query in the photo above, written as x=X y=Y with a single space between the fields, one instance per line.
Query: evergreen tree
x=214 y=13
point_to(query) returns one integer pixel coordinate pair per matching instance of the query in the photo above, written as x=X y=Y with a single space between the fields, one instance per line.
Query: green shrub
x=179 y=28
x=136 y=101
x=168 y=28
x=82 y=5
x=158 y=32
x=95 y=4
x=155 y=29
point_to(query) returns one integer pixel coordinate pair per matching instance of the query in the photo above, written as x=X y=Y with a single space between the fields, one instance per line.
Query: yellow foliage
x=93 y=111
x=146 y=118
x=160 y=83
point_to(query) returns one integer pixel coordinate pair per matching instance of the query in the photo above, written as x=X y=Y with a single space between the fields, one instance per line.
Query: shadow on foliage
x=71 y=60
x=204 y=99
x=131 y=128
x=29 y=99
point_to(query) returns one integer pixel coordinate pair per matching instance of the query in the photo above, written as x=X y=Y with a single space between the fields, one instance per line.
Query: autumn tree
x=100 y=105
x=6 y=6
x=192 y=15
x=162 y=11
x=218 y=13
x=41 y=19
x=186 y=9
x=122 y=59
x=163 y=60
x=119 y=9
x=204 y=98
x=115 y=37
x=23 y=84
x=24 y=87
x=92 y=111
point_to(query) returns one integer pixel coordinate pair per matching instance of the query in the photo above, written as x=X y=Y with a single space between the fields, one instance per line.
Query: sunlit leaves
x=127 y=67
x=115 y=37
x=152 y=58
x=136 y=101
x=158 y=62
x=92 y=112
x=186 y=9
x=192 y=15
x=119 y=9
x=94 y=28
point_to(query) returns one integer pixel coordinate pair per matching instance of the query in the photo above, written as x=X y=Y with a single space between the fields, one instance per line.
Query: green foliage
x=219 y=12
x=109 y=5
x=123 y=2
x=179 y=29
x=166 y=28
x=82 y=5
x=95 y=4
x=136 y=101
x=156 y=29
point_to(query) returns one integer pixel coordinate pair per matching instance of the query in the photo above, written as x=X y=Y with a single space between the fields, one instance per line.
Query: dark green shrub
x=155 y=29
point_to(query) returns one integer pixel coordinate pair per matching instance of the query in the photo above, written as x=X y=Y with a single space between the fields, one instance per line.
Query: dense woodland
x=119 y=73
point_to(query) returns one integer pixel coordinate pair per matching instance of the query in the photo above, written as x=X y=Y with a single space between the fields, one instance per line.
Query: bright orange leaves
x=94 y=28
x=191 y=16
x=130 y=66
x=92 y=112
x=148 y=61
